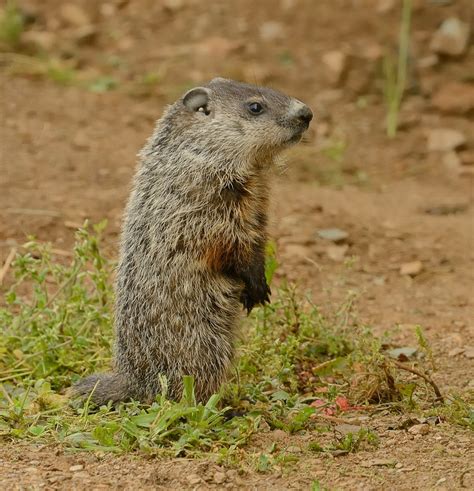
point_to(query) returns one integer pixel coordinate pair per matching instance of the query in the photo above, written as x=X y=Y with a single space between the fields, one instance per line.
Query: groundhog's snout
x=304 y=115
x=300 y=115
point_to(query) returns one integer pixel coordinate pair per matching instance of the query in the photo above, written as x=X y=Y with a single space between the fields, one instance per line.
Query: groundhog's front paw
x=255 y=294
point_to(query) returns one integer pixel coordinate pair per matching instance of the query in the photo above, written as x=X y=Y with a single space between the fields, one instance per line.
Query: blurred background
x=382 y=184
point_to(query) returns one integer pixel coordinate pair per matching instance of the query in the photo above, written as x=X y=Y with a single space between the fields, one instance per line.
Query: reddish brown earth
x=68 y=154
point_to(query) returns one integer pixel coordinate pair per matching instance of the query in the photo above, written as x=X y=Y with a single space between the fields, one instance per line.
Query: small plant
x=102 y=84
x=349 y=443
x=11 y=25
x=335 y=150
x=60 y=73
x=396 y=74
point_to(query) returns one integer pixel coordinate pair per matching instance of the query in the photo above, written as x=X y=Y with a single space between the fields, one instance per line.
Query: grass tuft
x=396 y=74
x=11 y=25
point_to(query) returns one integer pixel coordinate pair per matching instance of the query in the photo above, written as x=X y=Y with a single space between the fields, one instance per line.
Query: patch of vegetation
x=12 y=25
x=351 y=442
x=297 y=370
x=102 y=84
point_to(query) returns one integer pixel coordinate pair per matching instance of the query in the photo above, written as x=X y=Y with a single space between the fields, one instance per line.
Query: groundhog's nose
x=305 y=115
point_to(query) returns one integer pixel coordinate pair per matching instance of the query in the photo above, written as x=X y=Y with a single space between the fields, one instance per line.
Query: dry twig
x=335 y=419
x=422 y=375
x=6 y=265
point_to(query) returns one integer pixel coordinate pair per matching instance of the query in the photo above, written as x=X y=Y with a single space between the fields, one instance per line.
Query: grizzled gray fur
x=192 y=250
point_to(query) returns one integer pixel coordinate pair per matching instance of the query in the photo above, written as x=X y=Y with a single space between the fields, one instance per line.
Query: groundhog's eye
x=255 y=108
x=204 y=109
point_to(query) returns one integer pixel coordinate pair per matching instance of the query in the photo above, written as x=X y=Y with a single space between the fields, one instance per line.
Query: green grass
x=396 y=74
x=11 y=25
x=296 y=367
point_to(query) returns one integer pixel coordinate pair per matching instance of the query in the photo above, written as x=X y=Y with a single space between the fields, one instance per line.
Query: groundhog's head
x=237 y=122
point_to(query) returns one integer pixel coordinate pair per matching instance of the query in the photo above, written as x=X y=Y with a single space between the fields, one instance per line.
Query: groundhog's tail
x=104 y=387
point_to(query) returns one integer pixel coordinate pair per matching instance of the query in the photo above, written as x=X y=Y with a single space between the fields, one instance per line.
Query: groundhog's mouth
x=294 y=139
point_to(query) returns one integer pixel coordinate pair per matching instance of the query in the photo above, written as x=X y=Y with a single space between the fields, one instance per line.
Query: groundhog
x=193 y=239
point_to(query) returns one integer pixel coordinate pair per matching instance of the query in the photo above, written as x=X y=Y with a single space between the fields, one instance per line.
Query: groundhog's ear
x=196 y=98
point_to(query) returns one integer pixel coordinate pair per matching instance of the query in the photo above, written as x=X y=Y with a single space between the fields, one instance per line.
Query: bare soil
x=68 y=154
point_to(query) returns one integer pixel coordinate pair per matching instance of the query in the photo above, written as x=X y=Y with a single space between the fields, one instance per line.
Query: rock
x=419 y=429
x=451 y=38
x=469 y=352
x=271 y=31
x=373 y=52
x=427 y=61
x=446 y=209
x=125 y=43
x=345 y=428
x=379 y=280
x=219 y=477
x=80 y=141
x=39 y=40
x=232 y=474
x=385 y=6
x=454 y=97
x=444 y=139
x=81 y=475
x=193 y=479
x=76 y=468
x=337 y=252
x=279 y=435
x=293 y=449
x=218 y=47
x=84 y=34
x=467 y=157
x=108 y=9
x=455 y=352
x=378 y=463
x=288 y=4
x=74 y=15
x=335 y=63
x=173 y=5
x=402 y=354
x=333 y=234
x=411 y=269
x=452 y=162
x=57 y=478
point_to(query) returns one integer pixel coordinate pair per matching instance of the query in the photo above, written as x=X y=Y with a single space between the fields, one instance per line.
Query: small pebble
x=419 y=429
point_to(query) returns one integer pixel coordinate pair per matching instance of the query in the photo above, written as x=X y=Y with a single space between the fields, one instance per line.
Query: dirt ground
x=68 y=153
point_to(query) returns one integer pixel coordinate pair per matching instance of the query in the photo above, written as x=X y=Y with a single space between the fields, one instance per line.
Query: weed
x=59 y=73
x=11 y=25
x=335 y=150
x=316 y=486
x=396 y=75
x=102 y=84
x=424 y=345
x=286 y=58
x=349 y=443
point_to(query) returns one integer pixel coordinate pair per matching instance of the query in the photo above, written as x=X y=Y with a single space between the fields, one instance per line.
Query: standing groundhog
x=193 y=239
